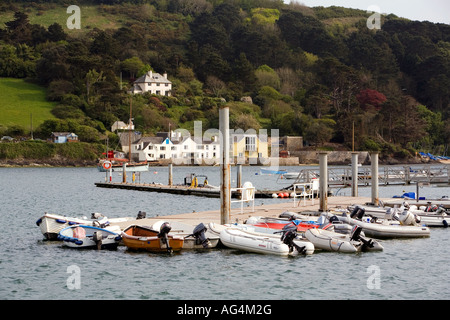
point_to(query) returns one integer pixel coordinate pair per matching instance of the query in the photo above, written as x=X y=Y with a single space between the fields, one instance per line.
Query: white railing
x=247 y=195
x=305 y=190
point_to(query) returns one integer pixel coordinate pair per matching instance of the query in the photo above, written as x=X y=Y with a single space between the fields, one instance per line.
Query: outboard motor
x=97 y=238
x=96 y=215
x=199 y=234
x=288 y=236
x=141 y=215
x=357 y=213
x=164 y=235
x=356 y=236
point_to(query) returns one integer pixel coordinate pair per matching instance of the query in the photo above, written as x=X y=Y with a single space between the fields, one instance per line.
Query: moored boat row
x=355 y=229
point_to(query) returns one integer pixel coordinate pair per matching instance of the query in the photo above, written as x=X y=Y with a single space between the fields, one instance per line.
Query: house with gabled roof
x=154 y=83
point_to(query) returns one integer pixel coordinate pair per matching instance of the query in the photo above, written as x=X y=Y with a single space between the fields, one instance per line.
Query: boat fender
x=71 y=223
x=445 y=223
x=79 y=242
x=61 y=221
x=39 y=222
x=118 y=238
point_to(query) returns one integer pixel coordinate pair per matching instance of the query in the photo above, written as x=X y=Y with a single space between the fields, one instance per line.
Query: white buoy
x=274 y=195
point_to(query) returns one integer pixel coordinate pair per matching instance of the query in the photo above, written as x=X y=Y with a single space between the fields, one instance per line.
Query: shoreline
x=62 y=163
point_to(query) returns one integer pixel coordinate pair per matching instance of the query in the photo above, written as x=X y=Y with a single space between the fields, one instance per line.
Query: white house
x=154 y=83
x=182 y=150
x=120 y=125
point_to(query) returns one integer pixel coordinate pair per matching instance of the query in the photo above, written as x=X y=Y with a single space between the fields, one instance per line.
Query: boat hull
x=332 y=241
x=51 y=224
x=92 y=237
x=388 y=231
x=260 y=243
x=143 y=239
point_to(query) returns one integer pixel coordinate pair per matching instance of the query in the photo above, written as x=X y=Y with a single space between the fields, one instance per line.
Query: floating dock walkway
x=210 y=192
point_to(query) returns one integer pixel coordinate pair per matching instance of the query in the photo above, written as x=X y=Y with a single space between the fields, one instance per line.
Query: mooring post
x=355 y=174
x=170 y=175
x=239 y=176
x=124 y=172
x=323 y=180
x=225 y=190
x=374 y=178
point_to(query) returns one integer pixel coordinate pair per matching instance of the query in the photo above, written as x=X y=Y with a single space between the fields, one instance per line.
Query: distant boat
x=272 y=171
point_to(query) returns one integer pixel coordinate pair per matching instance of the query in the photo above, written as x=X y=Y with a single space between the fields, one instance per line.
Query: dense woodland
x=313 y=72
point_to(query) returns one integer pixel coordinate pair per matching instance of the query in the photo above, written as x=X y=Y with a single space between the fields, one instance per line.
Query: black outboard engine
x=199 y=234
x=141 y=215
x=357 y=213
x=164 y=235
x=288 y=236
x=356 y=236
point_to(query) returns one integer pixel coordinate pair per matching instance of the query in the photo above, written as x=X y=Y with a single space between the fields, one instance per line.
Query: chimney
x=165 y=75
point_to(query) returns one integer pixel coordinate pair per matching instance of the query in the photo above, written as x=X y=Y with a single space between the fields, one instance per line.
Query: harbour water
x=31 y=268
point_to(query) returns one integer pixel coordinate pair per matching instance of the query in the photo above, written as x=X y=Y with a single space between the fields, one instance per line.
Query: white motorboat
x=333 y=241
x=51 y=224
x=82 y=236
x=264 y=243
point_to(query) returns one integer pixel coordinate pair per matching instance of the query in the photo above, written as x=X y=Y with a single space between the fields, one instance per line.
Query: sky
x=437 y=11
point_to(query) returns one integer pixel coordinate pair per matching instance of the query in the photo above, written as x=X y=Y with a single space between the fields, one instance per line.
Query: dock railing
x=247 y=195
x=307 y=190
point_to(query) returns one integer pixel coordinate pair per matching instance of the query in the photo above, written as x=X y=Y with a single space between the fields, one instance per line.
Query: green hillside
x=20 y=100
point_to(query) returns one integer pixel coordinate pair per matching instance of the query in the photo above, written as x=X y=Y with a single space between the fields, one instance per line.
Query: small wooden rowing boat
x=145 y=238
x=81 y=236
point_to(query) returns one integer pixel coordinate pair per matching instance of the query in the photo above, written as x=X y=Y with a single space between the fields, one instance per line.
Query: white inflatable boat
x=333 y=241
x=382 y=229
x=283 y=244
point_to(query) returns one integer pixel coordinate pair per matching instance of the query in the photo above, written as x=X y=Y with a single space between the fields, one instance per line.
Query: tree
x=92 y=77
x=370 y=98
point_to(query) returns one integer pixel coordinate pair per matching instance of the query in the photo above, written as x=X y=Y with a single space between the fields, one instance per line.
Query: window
x=173 y=148
x=162 y=148
x=250 y=143
x=185 y=147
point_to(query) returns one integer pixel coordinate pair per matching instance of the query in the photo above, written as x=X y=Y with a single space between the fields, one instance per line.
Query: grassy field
x=90 y=18
x=20 y=99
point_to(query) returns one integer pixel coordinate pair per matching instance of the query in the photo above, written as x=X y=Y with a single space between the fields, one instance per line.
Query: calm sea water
x=31 y=268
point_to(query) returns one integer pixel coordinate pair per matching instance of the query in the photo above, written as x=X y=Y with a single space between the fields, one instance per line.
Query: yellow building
x=248 y=148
